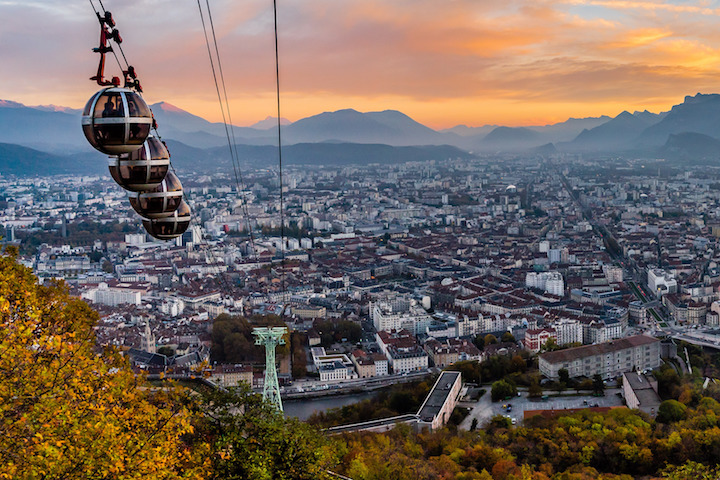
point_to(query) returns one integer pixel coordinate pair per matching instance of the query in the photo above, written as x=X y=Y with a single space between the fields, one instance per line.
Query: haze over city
x=443 y=63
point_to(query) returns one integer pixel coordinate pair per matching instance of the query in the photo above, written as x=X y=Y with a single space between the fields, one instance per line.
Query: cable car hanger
x=117 y=121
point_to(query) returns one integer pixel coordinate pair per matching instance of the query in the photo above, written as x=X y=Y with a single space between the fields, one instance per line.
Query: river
x=302 y=409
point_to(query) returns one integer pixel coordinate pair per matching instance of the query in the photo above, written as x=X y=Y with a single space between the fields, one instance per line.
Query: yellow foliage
x=68 y=412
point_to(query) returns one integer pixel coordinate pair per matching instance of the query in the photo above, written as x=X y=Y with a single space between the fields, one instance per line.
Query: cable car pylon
x=271 y=337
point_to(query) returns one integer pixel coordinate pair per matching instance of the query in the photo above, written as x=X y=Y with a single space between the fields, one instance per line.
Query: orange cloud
x=457 y=61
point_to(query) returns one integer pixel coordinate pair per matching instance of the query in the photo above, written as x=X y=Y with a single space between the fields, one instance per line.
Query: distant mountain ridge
x=56 y=130
x=620 y=131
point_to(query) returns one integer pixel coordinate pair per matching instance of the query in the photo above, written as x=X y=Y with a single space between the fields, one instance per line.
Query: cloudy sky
x=443 y=62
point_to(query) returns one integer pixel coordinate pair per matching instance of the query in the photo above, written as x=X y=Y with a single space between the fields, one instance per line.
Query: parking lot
x=484 y=409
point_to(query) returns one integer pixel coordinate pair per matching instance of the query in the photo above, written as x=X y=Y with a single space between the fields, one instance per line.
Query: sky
x=442 y=62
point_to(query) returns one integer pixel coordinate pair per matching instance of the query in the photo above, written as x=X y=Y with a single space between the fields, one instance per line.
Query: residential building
x=609 y=359
x=402 y=351
x=536 y=338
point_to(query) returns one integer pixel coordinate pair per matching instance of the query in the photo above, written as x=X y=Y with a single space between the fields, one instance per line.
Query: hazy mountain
x=569 y=129
x=58 y=108
x=511 y=139
x=56 y=130
x=23 y=161
x=269 y=122
x=692 y=147
x=465 y=131
x=616 y=134
x=189 y=158
x=50 y=131
x=699 y=114
x=389 y=127
x=547 y=149
x=175 y=123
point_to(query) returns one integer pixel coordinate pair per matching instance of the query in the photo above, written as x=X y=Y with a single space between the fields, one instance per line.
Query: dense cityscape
x=390 y=270
x=449 y=252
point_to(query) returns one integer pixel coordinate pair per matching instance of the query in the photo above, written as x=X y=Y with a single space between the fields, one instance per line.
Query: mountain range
x=689 y=131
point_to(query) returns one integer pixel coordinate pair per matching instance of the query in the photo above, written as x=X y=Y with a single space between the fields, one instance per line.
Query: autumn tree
x=671 y=411
x=233 y=341
x=250 y=440
x=68 y=412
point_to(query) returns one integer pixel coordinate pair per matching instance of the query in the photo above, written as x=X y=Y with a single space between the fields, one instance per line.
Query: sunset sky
x=443 y=62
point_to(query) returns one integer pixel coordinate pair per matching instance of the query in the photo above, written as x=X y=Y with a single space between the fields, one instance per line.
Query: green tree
x=692 y=471
x=507 y=337
x=586 y=384
x=502 y=389
x=535 y=390
x=165 y=350
x=470 y=370
x=233 y=342
x=671 y=411
x=250 y=440
x=598 y=385
x=564 y=375
x=550 y=346
x=490 y=339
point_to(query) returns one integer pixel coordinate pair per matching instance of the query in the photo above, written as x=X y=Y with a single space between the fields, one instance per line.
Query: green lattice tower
x=270 y=338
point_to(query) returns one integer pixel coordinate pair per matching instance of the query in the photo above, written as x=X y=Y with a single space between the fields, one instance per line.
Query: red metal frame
x=107 y=32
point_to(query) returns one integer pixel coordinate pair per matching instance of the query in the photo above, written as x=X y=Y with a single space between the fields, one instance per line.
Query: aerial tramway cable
x=277 y=95
x=232 y=144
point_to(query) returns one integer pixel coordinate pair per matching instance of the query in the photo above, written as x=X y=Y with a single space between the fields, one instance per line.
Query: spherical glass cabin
x=143 y=169
x=116 y=120
x=161 y=201
x=167 y=228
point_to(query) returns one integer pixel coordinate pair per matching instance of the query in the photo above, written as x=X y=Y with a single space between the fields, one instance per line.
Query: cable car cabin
x=161 y=201
x=167 y=228
x=143 y=169
x=116 y=120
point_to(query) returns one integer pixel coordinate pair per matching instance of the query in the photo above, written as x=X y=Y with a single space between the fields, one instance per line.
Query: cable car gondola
x=143 y=169
x=161 y=201
x=167 y=228
x=116 y=120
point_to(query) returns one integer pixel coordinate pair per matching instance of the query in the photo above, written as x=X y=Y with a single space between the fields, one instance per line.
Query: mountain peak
x=10 y=104
x=168 y=107
x=700 y=98
x=269 y=122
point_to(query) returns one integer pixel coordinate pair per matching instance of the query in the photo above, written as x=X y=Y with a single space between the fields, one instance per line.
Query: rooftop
x=438 y=396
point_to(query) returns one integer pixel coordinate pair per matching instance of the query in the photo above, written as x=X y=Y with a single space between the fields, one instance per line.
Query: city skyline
x=443 y=64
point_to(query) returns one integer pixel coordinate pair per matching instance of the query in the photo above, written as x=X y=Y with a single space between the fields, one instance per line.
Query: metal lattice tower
x=270 y=337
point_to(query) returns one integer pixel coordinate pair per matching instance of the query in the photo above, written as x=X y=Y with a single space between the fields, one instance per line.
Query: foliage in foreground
x=620 y=444
x=68 y=412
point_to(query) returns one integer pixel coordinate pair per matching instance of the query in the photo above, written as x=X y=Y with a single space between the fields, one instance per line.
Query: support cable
x=223 y=108
x=277 y=93
x=236 y=159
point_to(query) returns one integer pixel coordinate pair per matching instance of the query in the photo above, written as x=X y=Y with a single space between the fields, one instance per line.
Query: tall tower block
x=270 y=337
